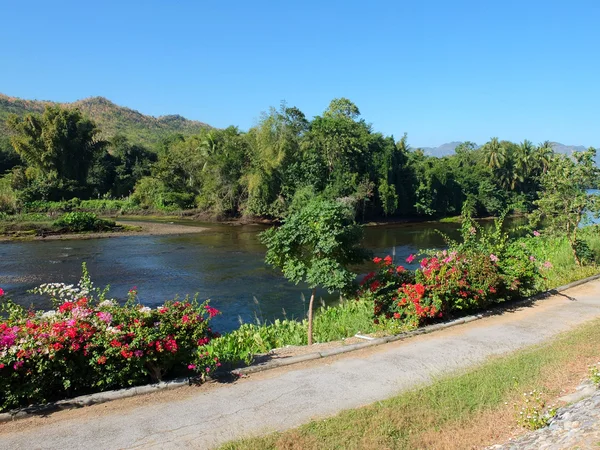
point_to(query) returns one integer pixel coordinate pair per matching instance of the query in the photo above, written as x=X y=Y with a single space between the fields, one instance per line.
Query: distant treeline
x=267 y=171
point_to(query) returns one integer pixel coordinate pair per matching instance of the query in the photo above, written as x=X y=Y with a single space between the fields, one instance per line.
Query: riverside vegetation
x=55 y=159
x=91 y=343
x=316 y=178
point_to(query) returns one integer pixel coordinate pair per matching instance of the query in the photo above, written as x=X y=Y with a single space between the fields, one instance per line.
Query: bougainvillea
x=449 y=283
x=87 y=345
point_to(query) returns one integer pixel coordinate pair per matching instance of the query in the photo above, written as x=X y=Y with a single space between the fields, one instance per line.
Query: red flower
x=387 y=260
x=1 y=294
x=1 y=364
x=102 y=360
x=400 y=269
x=396 y=315
x=212 y=312
x=377 y=260
x=115 y=343
x=66 y=306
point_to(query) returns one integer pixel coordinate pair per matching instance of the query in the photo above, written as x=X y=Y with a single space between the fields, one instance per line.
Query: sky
x=440 y=71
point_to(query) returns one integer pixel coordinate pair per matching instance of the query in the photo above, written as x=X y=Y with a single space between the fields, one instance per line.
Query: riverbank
x=126 y=228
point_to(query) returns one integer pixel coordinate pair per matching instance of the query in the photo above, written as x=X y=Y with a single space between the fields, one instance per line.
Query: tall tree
x=495 y=153
x=60 y=144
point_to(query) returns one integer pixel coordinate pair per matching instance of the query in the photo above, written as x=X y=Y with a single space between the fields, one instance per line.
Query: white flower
x=112 y=330
x=145 y=309
x=48 y=314
x=107 y=303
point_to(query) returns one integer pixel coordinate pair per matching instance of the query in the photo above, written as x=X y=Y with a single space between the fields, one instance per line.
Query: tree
x=315 y=245
x=495 y=153
x=565 y=199
x=60 y=144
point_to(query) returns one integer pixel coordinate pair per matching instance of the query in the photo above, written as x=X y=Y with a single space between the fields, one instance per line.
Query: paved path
x=283 y=398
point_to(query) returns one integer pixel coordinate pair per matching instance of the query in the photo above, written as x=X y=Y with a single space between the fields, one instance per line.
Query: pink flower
x=532 y=258
x=104 y=316
x=536 y=233
x=410 y=259
x=138 y=353
x=1 y=292
x=191 y=366
x=548 y=265
x=212 y=312
x=494 y=257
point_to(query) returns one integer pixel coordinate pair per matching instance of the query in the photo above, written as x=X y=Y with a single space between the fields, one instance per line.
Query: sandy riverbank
x=131 y=228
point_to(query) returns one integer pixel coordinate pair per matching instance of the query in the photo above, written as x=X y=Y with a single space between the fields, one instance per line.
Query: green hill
x=111 y=118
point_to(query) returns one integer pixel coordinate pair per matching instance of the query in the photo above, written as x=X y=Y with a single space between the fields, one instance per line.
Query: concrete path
x=276 y=400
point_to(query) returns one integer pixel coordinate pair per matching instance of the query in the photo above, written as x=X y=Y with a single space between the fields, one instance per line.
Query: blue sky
x=439 y=70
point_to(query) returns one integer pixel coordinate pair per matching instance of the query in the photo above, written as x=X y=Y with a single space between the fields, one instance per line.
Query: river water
x=224 y=263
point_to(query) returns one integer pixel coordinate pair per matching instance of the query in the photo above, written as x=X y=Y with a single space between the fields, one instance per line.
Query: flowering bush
x=92 y=344
x=487 y=267
x=381 y=286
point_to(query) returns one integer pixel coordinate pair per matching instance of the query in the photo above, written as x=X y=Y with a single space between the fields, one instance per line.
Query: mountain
x=567 y=149
x=448 y=149
x=111 y=118
x=443 y=150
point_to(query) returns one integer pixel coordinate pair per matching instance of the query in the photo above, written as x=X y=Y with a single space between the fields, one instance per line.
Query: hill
x=111 y=118
x=448 y=149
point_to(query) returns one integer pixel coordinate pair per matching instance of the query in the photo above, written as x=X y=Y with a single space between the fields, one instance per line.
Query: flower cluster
x=532 y=413
x=450 y=282
x=381 y=285
x=595 y=373
x=85 y=346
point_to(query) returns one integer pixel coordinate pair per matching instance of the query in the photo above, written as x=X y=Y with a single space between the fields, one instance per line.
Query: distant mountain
x=448 y=149
x=567 y=149
x=443 y=150
x=111 y=118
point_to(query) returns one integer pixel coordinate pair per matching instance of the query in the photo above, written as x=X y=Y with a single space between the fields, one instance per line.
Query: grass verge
x=466 y=410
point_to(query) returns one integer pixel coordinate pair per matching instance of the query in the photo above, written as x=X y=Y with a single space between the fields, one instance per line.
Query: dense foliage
x=267 y=171
x=83 y=221
x=316 y=245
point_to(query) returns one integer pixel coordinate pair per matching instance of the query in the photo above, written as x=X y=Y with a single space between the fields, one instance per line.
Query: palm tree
x=495 y=154
x=544 y=153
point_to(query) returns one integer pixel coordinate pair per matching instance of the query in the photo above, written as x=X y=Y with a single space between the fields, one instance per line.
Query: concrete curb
x=102 y=397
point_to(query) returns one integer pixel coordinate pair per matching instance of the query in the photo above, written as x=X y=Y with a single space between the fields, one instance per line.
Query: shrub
x=90 y=344
x=83 y=221
x=380 y=287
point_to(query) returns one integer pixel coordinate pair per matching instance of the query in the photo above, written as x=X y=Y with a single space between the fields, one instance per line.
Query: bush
x=83 y=221
x=486 y=267
x=91 y=344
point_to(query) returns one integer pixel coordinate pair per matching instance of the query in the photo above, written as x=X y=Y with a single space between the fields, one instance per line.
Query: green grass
x=559 y=253
x=424 y=417
x=330 y=323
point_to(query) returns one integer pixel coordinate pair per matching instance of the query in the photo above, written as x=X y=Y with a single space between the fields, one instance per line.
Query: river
x=224 y=263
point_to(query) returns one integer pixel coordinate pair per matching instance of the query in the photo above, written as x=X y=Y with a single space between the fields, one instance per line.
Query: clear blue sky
x=439 y=70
